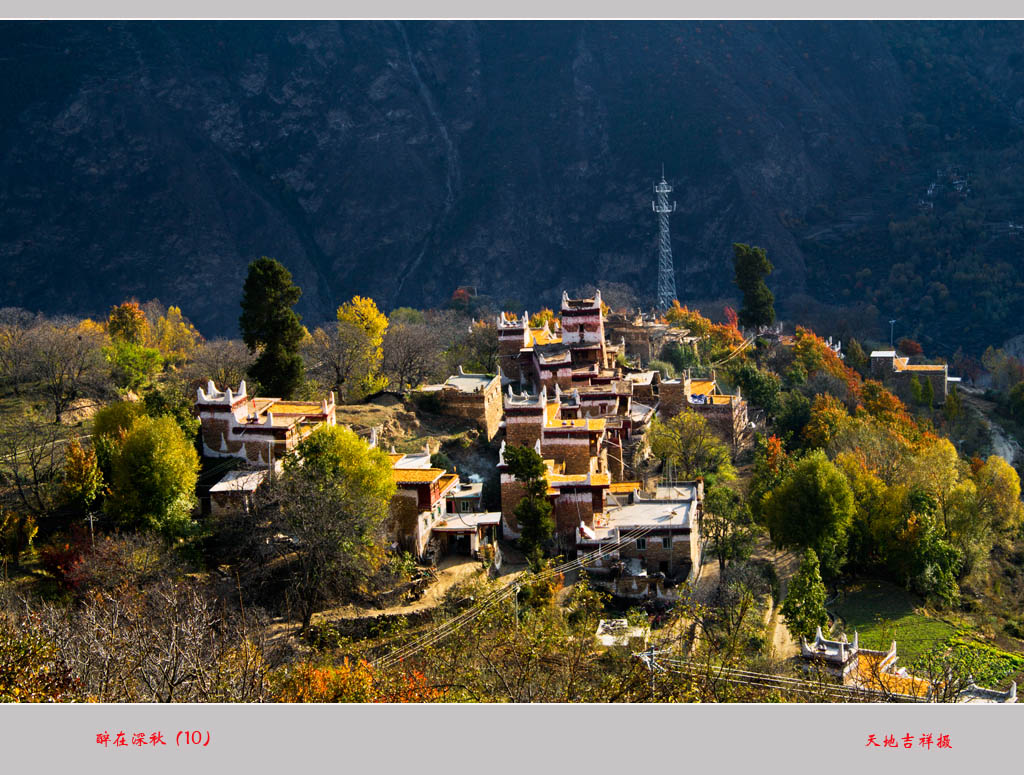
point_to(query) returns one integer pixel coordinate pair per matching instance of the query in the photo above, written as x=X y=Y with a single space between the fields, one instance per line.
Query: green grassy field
x=882 y=612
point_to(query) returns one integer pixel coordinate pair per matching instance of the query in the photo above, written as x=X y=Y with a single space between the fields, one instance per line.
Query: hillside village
x=644 y=493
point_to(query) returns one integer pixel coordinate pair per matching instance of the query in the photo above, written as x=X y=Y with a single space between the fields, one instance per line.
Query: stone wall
x=523 y=429
x=484 y=407
x=678 y=556
x=672 y=397
x=572 y=507
x=574 y=451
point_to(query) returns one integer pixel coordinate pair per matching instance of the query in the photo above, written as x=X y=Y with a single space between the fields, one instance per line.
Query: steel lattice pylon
x=666 y=269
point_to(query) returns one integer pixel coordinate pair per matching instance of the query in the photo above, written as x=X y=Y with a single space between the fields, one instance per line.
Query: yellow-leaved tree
x=175 y=336
x=349 y=355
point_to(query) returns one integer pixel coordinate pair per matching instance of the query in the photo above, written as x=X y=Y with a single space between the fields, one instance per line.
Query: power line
x=453 y=625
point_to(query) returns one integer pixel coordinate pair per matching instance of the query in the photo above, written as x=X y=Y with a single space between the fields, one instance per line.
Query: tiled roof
x=416 y=475
x=297 y=407
x=620 y=488
x=702 y=387
x=541 y=336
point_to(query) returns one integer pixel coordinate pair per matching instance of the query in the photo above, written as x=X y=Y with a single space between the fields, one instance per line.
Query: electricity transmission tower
x=666 y=270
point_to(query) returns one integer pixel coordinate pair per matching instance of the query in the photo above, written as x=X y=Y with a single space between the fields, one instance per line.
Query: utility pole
x=666 y=269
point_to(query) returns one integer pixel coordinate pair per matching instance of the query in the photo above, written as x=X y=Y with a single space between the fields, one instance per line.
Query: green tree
x=133 y=366
x=170 y=400
x=761 y=388
x=271 y=327
x=533 y=512
x=915 y=390
x=927 y=393
x=752 y=266
x=687 y=443
x=793 y=415
x=681 y=356
x=153 y=479
x=812 y=508
x=953 y=407
x=856 y=358
x=804 y=606
x=727 y=524
x=667 y=370
x=333 y=502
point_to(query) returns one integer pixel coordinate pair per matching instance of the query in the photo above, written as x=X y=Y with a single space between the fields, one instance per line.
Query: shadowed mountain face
x=401 y=160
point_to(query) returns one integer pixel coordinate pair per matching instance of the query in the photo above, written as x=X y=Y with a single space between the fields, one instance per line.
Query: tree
x=752 y=266
x=412 y=353
x=17 y=530
x=828 y=418
x=117 y=418
x=67 y=357
x=804 y=606
x=154 y=476
x=678 y=316
x=812 y=508
x=681 y=356
x=909 y=346
x=533 y=512
x=83 y=480
x=15 y=352
x=998 y=495
x=927 y=393
x=856 y=358
x=726 y=523
x=133 y=365
x=175 y=336
x=127 y=323
x=792 y=415
x=271 y=327
x=163 y=641
x=687 y=443
x=225 y=361
x=31 y=669
x=761 y=388
x=332 y=501
x=167 y=399
x=350 y=353
x=32 y=449
x=952 y=407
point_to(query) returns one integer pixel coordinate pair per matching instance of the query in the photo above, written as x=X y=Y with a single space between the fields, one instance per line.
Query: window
x=666 y=542
x=641 y=544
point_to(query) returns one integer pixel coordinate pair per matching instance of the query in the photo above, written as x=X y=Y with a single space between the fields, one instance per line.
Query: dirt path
x=451 y=571
x=786 y=565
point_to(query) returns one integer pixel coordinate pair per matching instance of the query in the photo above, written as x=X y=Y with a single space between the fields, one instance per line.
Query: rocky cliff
x=401 y=160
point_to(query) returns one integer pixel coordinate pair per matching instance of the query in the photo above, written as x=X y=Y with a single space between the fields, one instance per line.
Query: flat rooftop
x=458 y=523
x=240 y=481
x=469 y=383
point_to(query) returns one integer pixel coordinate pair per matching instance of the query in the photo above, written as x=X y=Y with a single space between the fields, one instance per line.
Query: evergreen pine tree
x=271 y=327
x=752 y=266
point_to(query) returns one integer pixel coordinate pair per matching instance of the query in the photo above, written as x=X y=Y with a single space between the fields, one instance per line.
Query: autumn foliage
x=352 y=682
x=816 y=356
